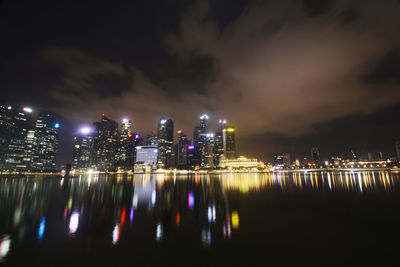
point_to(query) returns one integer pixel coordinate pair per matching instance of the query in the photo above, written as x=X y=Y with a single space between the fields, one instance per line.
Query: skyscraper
x=83 y=146
x=125 y=156
x=219 y=143
x=210 y=143
x=151 y=139
x=278 y=160
x=315 y=156
x=192 y=162
x=199 y=140
x=104 y=143
x=165 y=139
x=182 y=150
x=229 y=142
x=46 y=141
x=15 y=133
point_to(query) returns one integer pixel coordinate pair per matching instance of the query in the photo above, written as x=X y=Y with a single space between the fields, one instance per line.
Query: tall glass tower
x=229 y=142
x=125 y=156
x=182 y=149
x=83 y=146
x=46 y=141
x=104 y=143
x=200 y=141
x=165 y=140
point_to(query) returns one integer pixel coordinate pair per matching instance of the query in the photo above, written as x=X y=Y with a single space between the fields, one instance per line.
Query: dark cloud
x=317 y=7
x=387 y=70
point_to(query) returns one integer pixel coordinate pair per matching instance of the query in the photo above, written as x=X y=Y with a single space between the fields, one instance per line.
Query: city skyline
x=121 y=158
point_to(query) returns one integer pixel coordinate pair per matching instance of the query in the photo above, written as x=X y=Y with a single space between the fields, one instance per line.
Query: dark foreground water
x=324 y=218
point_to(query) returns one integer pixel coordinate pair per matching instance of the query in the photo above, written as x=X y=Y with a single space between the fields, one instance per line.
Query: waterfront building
x=46 y=141
x=16 y=138
x=182 y=150
x=147 y=155
x=278 y=160
x=151 y=139
x=297 y=163
x=315 y=156
x=82 y=151
x=125 y=155
x=229 y=142
x=242 y=163
x=199 y=140
x=104 y=143
x=165 y=140
x=219 y=143
x=192 y=162
x=286 y=160
x=210 y=156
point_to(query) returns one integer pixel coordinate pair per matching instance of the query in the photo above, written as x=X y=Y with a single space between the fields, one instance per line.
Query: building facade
x=200 y=141
x=147 y=155
x=182 y=150
x=125 y=155
x=83 y=149
x=315 y=156
x=219 y=142
x=104 y=143
x=46 y=141
x=229 y=142
x=16 y=133
x=165 y=140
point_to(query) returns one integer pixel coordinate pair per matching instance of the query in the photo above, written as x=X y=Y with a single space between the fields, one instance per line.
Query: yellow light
x=179 y=131
x=235 y=219
x=230 y=130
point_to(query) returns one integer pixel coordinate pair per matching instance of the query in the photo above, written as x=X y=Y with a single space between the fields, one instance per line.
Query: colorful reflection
x=42 y=227
x=235 y=219
x=5 y=244
x=161 y=203
x=74 y=222
x=115 y=234
x=190 y=200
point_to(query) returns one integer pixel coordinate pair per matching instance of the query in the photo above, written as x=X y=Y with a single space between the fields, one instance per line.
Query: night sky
x=288 y=74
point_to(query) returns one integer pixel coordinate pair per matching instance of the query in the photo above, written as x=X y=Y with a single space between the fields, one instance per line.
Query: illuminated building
x=282 y=160
x=242 y=163
x=199 y=140
x=191 y=154
x=17 y=138
x=315 y=156
x=147 y=155
x=182 y=150
x=229 y=142
x=278 y=160
x=219 y=143
x=104 y=143
x=209 y=155
x=82 y=152
x=151 y=139
x=297 y=163
x=46 y=141
x=125 y=155
x=165 y=140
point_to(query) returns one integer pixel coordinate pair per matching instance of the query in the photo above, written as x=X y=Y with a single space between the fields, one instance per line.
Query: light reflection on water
x=106 y=211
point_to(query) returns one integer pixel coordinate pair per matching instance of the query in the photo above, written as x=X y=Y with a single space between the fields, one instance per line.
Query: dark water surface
x=314 y=218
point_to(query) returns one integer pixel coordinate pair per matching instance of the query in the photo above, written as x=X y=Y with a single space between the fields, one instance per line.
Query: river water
x=287 y=218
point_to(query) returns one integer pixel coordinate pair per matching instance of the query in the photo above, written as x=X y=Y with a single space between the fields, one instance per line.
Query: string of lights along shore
x=30 y=140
